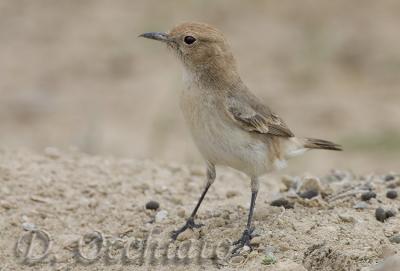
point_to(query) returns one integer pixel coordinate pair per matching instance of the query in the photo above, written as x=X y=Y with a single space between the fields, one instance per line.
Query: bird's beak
x=156 y=36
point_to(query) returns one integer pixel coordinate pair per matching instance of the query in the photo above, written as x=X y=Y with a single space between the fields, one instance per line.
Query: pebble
x=161 y=215
x=52 y=152
x=6 y=205
x=390 y=213
x=361 y=205
x=347 y=218
x=395 y=239
x=181 y=212
x=188 y=234
x=256 y=241
x=152 y=205
x=231 y=194
x=368 y=195
x=389 y=177
x=282 y=202
x=28 y=226
x=392 y=194
x=310 y=183
x=309 y=194
x=380 y=214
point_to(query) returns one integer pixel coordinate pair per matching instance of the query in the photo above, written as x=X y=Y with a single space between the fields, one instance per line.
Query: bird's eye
x=189 y=40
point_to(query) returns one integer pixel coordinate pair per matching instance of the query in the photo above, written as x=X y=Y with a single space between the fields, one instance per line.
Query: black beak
x=156 y=36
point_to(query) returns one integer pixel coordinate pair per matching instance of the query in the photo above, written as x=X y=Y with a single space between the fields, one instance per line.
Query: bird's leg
x=190 y=224
x=248 y=232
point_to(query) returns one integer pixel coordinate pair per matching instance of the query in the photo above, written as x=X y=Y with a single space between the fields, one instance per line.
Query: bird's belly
x=233 y=148
x=222 y=142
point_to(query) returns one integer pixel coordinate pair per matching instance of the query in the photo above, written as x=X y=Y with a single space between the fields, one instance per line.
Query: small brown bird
x=229 y=125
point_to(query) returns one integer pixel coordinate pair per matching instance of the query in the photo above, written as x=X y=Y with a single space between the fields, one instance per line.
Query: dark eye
x=189 y=40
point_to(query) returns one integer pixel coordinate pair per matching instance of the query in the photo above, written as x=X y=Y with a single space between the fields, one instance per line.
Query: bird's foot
x=190 y=224
x=244 y=240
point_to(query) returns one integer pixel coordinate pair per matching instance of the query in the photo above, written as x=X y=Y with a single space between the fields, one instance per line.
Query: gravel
x=380 y=214
x=368 y=195
x=392 y=194
x=152 y=205
x=282 y=202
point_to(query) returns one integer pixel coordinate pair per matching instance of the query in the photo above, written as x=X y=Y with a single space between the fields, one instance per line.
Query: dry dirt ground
x=91 y=206
x=76 y=73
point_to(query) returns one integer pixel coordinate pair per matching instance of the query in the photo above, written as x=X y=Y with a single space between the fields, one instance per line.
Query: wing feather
x=254 y=117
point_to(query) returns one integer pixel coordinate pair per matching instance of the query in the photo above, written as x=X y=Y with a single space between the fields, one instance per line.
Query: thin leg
x=247 y=233
x=190 y=224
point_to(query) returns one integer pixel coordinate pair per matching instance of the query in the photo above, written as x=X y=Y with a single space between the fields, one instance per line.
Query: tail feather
x=312 y=143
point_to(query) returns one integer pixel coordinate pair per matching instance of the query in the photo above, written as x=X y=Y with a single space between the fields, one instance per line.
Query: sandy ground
x=75 y=72
x=69 y=196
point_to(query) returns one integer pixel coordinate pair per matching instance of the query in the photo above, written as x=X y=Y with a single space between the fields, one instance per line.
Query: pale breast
x=219 y=140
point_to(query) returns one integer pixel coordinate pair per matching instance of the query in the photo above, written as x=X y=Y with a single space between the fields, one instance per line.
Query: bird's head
x=202 y=48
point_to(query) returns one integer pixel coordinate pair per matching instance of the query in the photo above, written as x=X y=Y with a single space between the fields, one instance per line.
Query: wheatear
x=229 y=125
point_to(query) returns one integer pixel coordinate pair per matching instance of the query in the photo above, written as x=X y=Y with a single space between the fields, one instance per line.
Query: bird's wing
x=248 y=113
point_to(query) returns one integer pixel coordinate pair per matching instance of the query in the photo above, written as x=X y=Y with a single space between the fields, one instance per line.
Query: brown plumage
x=229 y=124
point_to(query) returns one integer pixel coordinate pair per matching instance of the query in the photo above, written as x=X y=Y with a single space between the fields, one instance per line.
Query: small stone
x=380 y=214
x=237 y=260
x=390 y=213
x=256 y=241
x=392 y=194
x=309 y=194
x=181 y=212
x=389 y=178
x=395 y=239
x=347 y=218
x=28 y=226
x=231 y=194
x=361 y=205
x=310 y=183
x=282 y=202
x=161 y=215
x=6 y=205
x=188 y=234
x=368 y=195
x=52 y=152
x=152 y=205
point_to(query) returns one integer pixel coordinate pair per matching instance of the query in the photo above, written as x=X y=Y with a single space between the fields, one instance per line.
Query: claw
x=190 y=224
x=244 y=240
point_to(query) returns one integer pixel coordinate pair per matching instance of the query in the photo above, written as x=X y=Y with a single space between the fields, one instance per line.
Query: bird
x=229 y=125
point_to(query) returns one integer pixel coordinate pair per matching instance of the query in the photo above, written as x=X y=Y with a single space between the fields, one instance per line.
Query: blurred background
x=74 y=73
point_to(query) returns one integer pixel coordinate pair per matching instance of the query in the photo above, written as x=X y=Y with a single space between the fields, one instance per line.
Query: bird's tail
x=297 y=145
x=312 y=143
